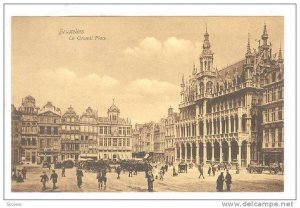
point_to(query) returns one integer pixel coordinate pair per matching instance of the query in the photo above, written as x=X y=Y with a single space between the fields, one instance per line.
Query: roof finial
x=248 y=45
x=113 y=101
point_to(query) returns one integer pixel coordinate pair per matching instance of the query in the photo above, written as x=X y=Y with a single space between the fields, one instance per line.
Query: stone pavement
x=184 y=182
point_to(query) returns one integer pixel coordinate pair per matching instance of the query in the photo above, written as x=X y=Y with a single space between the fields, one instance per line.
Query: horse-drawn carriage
x=182 y=167
x=273 y=168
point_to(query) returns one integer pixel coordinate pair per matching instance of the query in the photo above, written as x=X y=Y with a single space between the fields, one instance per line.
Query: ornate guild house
x=234 y=114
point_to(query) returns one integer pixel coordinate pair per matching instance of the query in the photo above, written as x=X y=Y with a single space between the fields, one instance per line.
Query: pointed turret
x=265 y=35
x=280 y=58
x=248 y=47
x=206 y=57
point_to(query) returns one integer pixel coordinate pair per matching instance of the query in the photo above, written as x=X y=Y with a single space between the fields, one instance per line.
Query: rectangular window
x=128 y=142
x=42 y=130
x=114 y=142
x=101 y=142
x=273 y=95
x=101 y=129
x=105 y=130
x=48 y=130
x=267 y=135
x=23 y=141
x=119 y=142
x=280 y=93
x=280 y=135
x=273 y=114
x=82 y=137
x=124 y=142
x=109 y=142
x=33 y=141
x=55 y=130
x=273 y=135
x=105 y=142
x=280 y=117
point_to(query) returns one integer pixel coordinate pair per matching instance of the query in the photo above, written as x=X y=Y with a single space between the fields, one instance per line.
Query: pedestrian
x=220 y=182
x=63 y=171
x=228 y=180
x=209 y=171
x=214 y=170
x=130 y=171
x=150 y=179
x=104 y=178
x=99 y=179
x=20 y=177
x=161 y=174
x=186 y=168
x=174 y=171
x=79 y=175
x=166 y=167
x=118 y=170
x=44 y=179
x=135 y=169
x=54 y=177
x=24 y=171
x=200 y=168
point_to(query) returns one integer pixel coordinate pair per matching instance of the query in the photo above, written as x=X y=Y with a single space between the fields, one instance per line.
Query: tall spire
x=280 y=54
x=206 y=44
x=265 y=35
x=248 y=46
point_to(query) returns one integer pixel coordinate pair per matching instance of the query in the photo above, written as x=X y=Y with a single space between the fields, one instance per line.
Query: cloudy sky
x=140 y=63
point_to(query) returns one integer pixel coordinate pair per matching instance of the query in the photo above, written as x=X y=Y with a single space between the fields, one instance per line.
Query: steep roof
x=230 y=71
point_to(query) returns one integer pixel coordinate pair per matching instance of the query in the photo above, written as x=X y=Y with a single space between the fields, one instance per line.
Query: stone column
x=185 y=153
x=240 y=156
x=248 y=154
x=212 y=153
x=197 y=153
x=221 y=153
x=221 y=127
x=180 y=151
x=191 y=153
x=175 y=153
x=229 y=152
x=212 y=127
x=234 y=124
x=204 y=153
x=229 y=125
x=240 y=124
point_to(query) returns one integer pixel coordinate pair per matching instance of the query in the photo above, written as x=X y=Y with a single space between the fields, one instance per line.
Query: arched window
x=201 y=88
x=273 y=76
x=209 y=87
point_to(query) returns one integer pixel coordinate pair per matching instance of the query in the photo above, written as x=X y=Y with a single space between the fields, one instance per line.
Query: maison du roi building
x=45 y=134
x=234 y=114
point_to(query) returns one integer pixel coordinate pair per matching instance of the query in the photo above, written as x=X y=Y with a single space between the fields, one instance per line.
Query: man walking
x=118 y=170
x=63 y=171
x=79 y=175
x=200 y=168
x=54 y=177
x=220 y=181
x=150 y=179
x=24 y=171
x=44 y=179
x=228 y=180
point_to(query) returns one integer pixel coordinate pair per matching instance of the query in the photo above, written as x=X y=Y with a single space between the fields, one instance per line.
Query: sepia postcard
x=108 y=104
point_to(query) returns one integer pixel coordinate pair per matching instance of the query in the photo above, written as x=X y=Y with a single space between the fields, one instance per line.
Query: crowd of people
x=153 y=171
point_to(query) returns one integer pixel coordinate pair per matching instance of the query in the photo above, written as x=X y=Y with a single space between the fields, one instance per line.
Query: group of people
x=221 y=179
x=18 y=175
